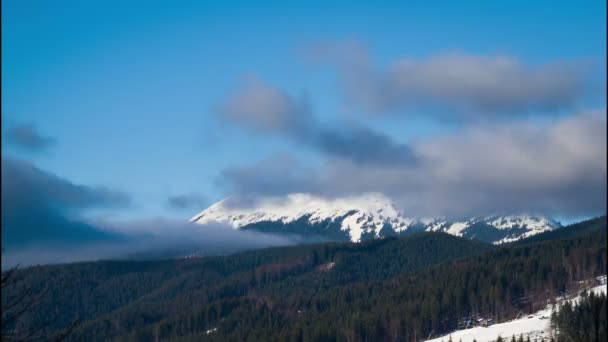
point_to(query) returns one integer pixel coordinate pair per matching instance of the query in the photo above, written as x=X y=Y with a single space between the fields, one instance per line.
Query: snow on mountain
x=497 y=229
x=361 y=214
x=362 y=217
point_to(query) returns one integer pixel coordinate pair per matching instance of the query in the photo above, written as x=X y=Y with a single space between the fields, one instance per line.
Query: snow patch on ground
x=534 y=326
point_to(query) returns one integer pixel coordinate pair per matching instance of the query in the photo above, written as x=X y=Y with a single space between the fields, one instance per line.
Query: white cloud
x=456 y=85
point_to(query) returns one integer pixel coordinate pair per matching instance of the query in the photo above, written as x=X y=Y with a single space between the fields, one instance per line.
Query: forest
x=394 y=289
x=584 y=322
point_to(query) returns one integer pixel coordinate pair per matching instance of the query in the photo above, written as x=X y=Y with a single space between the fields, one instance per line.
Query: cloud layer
x=39 y=206
x=520 y=146
x=555 y=168
x=44 y=221
x=147 y=239
x=455 y=85
x=266 y=109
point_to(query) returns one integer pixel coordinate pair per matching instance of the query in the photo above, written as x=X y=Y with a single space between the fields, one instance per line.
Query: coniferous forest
x=584 y=322
x=392 y=289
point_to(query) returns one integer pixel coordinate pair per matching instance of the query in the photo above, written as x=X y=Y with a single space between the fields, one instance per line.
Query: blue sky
x=129 y=91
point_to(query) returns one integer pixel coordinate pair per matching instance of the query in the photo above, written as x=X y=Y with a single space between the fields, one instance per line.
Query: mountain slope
x=361 y=218
x=135 y=293
x=413 y=287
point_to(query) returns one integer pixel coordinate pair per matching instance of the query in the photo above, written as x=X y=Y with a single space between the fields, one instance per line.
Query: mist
x=147 y=240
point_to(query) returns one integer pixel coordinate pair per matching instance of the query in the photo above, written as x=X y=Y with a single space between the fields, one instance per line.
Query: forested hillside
x=393 y=289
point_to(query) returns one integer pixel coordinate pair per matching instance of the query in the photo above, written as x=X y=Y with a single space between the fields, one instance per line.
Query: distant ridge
x=579 y=228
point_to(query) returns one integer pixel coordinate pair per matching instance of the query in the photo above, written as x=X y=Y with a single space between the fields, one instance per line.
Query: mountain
x=361 y=218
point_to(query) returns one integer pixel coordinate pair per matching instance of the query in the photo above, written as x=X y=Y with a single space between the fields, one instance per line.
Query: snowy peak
x=359 y=218
x=358 y=215
x=495 y=229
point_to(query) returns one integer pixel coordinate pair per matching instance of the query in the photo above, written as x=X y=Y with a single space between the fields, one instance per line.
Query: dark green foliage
x=584 y=322
x=381 y=290
x=92 y=290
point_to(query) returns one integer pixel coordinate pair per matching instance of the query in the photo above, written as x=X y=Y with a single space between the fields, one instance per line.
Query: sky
x=129 y=111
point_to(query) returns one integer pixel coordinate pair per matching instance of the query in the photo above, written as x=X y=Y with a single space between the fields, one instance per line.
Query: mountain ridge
x=360 y=218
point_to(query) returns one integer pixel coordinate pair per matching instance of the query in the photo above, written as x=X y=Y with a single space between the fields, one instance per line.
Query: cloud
x=147 y=240
x=186 y=201
x=266 y=109
x=27 y=137
x=22 y=182
x=363 y=146
x=554 y=168
x=44 y=221
x=455 y=85
x=39 y=206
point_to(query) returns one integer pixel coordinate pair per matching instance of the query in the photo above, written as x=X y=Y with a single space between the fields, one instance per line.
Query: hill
x=404 y=288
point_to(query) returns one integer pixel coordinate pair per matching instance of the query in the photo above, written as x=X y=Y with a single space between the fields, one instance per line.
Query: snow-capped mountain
x=360 y=218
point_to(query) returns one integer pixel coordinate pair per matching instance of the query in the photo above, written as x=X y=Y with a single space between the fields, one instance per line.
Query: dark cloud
x=556 y=168
x=39 y=206
x=457 y=86
x=364 y=146
x=27 y=137
x=22 y=182
x=44 y=221
x=267 y=109
x=186 y=201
